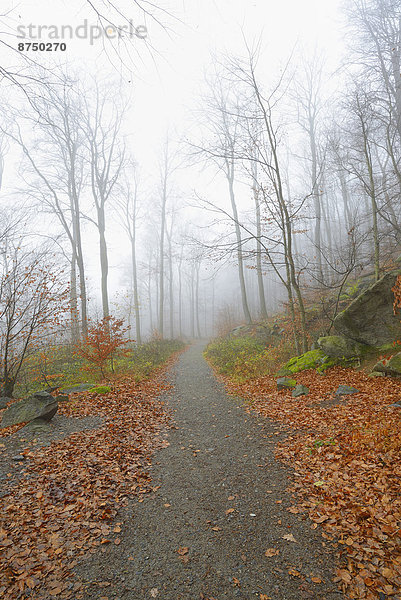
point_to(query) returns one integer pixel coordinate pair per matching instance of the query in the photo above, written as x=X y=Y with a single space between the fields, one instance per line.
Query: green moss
x=309 y=360
x=100 y=390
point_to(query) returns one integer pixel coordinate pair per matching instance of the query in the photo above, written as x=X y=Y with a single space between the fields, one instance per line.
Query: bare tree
x=100 y=126
x=128 y=210
x=32 y=301
x=223 y=123
x=57 y=185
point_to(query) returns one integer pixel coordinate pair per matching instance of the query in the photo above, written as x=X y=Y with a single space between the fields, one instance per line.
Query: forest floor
x=177 y=496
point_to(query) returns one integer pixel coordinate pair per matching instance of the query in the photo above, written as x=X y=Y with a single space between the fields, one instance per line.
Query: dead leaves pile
x=347 y=461
x=63 y=507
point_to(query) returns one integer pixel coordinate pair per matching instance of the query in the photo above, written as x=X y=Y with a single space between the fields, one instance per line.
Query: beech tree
x=100 y=126
x=33 y=305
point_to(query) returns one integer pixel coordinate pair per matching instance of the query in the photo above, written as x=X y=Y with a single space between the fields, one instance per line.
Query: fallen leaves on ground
x=347 y=460
x=271 y=552
x=64 y=506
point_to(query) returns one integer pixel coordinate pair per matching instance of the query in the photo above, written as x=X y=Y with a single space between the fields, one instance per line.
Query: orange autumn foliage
x=104 y=341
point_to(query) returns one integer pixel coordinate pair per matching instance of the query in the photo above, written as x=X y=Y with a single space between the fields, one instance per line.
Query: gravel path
x=219 y=458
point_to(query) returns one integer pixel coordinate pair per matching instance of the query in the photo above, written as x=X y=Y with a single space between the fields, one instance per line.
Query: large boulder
x=337 y=346
x=390 y=367
x=37 y=427
x=370 y=319
x=39 y=406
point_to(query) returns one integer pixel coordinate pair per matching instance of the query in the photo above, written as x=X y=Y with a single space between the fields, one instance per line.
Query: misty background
x=235 y=160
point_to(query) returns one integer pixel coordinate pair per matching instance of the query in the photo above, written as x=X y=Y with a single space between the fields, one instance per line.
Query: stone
x=300 y=390
x=4 y=401
x=346 y=390
x=284 y=383
x=391 y=367
x=40 y=405
x=37 y=427
x=337 y=346
x=18 y=458
x=81 y=387
x=370 y=318
x=308 y=360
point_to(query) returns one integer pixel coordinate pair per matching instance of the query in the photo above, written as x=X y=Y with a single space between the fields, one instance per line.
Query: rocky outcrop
x=370 y=319
x=39 y=406
x=390 y=367
x=337 y=346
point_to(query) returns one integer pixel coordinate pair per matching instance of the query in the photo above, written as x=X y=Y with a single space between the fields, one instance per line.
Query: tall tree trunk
x=244 y=299
x=259 y=248
x=161 y=259
x=135 y=288
x=170 y=285
x=74 y=301
x=180 y=295
x=104 y=263
x=192 y=303
x=198 y=330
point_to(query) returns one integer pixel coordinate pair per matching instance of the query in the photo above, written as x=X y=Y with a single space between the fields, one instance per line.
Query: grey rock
x=300 y=390
x=37 y=427
x=4 y=401
x=337 y=346
x=370 y=318
x=346 y=390
x=284 y=383
x=81 y=387
x=18 y=458
x=391 y=367
x=40 y=405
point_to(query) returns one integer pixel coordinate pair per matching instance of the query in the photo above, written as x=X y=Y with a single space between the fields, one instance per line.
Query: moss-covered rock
x=370 y=319
x=300 y=390
x=39 y=406
x=390 y=367
x=284 y=383
x=100 y=390
x=337 y=346
x=74 y=389
x=309 y=360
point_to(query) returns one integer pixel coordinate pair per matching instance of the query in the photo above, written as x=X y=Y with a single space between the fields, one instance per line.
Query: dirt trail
x=217 y=452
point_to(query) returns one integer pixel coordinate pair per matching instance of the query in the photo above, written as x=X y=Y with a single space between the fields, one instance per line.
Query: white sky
x=166 y=84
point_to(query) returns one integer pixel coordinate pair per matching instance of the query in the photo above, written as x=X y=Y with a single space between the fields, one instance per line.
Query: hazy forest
x=196 y=195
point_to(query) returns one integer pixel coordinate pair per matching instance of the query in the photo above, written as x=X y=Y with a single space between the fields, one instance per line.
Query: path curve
x=217 y=452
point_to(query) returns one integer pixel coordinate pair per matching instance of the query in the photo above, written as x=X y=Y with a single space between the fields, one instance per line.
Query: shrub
x=241 y=358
